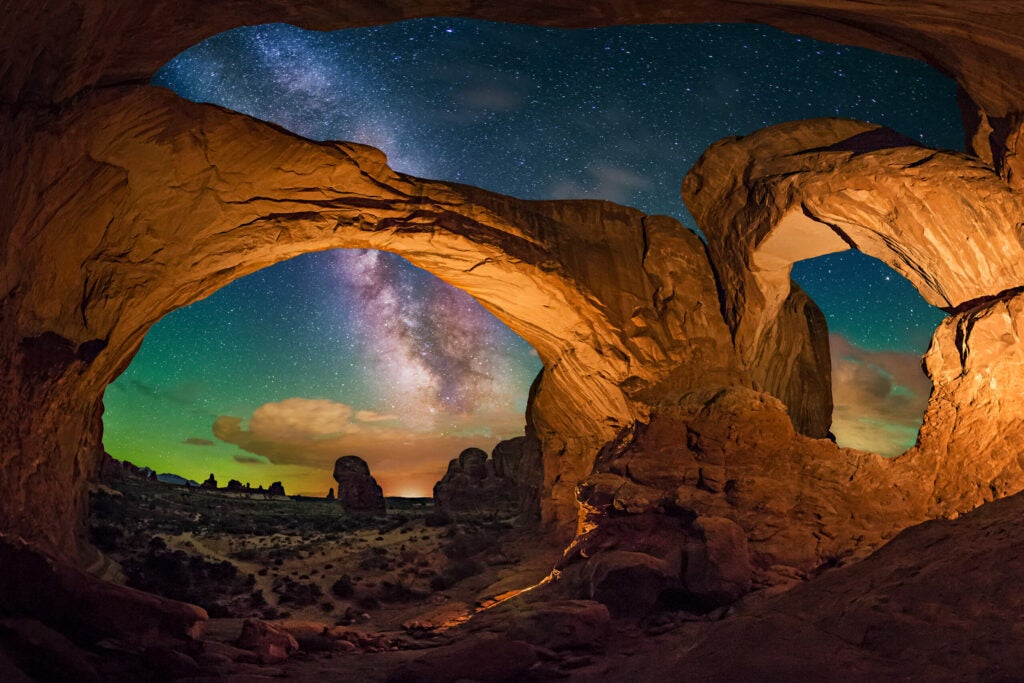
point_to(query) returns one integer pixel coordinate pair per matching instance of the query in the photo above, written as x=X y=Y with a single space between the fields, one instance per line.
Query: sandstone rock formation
x=940 y=602
x=101 y=153
x=276 y=489
x=125 y=202
x=358 y=491
x=609 y=344
x=210 y=484
x=507 y=483
x=86 y=608
x=941 y=219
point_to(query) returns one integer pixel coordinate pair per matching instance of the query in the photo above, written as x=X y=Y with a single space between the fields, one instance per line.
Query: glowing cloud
x=879 y=397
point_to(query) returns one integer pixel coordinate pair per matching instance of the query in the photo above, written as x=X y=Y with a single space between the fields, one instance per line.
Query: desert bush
x=290 y=591
x=343 y=587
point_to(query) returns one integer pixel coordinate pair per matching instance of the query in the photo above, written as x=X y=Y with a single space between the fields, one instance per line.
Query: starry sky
x=350 y=351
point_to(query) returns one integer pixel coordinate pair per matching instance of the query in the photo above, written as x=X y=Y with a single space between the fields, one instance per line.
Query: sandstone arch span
x=66 y=47
x=171 y=200
x=941 y=219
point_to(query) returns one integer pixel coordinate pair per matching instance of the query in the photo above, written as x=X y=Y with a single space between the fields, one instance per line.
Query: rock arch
x=941 y=219
x=111 y=223
x=168 y=201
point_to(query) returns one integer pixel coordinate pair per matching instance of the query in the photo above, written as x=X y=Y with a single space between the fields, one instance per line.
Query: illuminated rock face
x=134 y=215
x=125 y=203
x=943 y=220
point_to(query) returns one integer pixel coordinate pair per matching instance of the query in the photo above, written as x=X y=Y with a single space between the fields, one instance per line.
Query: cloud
x=300 y=419
x=197 y=441
x=250 y=459
x=371 y=416
x=607 y=181
x=311 y=433
x=879 y=397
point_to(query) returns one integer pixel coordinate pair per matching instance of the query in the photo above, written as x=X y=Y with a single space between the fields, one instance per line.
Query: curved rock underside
x=64 y=48
x=664 y=361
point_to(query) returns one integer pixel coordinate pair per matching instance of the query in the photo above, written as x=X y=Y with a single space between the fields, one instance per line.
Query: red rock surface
x=940 y=602
x=123 y=203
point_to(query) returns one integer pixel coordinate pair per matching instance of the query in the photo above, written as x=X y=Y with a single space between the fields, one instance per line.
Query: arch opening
x=426 y=373
x=346 y=351
x=879 y=388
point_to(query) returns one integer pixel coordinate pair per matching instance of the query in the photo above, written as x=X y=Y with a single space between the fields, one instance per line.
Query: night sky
x=276 y=375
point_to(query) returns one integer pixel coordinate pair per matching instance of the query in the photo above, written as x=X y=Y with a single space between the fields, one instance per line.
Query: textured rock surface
x=358 y=491
x=943 y=220
x=271 y=643
x=733 y=456
x=940 y=602
x=85 y=608
x=970 y=445
x=508 y=482
x=621 y=307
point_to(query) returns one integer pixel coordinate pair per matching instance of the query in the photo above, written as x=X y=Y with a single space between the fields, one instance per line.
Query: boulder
x=358 y=491
x=718 y=569
x=271 y=643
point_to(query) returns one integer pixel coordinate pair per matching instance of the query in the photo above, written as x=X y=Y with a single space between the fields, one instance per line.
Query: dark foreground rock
x=487 y=659
x=940 y=602
x=86 y=608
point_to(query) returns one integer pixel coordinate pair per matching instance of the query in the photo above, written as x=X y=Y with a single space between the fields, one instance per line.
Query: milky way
x=437 y=354
x=407 y=370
